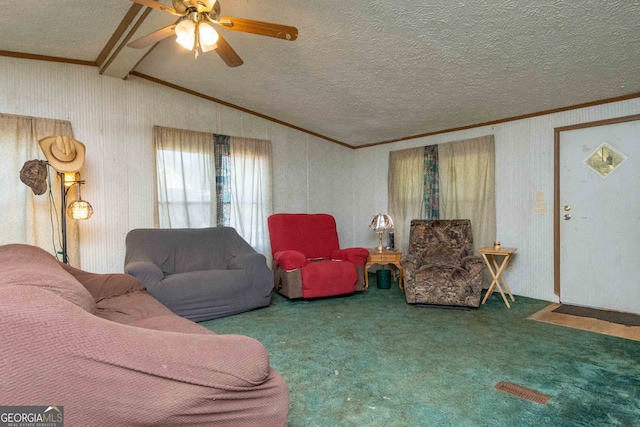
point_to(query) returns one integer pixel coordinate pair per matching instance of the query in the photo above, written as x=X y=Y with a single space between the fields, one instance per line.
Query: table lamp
x=380 y=223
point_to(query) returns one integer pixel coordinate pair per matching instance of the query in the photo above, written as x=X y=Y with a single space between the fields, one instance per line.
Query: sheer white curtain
x=185 y=168
x=467 y=185
x=406 y=191
x=27 y=218
x=186 y=177
x=251 y=191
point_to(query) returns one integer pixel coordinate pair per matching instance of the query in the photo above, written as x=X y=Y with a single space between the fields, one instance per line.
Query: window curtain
x=208 y=180
x=467 y=185
x=186 y=181
x=457 y=180
x=251 y=191
x=28 y=218
x=406 y=191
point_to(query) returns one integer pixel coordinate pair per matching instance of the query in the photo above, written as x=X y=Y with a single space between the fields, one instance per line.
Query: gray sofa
x=199 y=274
x=111 y=355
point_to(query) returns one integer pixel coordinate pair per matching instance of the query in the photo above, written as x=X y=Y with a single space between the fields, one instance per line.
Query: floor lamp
x=78 y=209
x=66 y=155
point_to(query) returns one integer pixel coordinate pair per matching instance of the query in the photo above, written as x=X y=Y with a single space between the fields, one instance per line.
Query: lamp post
x=78 y=209
x=66 y=156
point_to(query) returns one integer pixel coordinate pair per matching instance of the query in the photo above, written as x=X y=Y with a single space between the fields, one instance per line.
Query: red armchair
x=307 y=259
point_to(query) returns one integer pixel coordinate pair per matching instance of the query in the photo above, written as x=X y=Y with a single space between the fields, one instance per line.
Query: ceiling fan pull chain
x=197 y=40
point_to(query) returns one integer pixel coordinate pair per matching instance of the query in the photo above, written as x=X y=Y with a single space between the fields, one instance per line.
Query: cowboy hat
x=63 y=153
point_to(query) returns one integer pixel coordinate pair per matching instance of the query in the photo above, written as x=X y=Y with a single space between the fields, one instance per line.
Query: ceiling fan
x=195 y=32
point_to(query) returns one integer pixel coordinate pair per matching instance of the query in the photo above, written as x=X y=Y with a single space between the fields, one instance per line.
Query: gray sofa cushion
x=199 y=274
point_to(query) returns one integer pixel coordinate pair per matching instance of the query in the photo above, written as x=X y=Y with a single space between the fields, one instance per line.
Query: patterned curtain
x=223 y=179
x=431 y=183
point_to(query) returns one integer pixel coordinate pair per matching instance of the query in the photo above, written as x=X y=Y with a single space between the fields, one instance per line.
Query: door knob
x=567 y=208
x=567 y=217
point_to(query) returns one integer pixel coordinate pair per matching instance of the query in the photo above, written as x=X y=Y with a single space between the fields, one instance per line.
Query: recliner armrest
x=355 y=255
x=146 y=272
x=473 y=264
x=411 y=262
x=290 y=260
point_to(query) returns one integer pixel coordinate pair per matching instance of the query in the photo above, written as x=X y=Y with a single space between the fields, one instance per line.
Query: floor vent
x=522 y=392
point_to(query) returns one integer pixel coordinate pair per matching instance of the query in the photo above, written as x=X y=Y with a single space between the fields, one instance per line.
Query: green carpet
x=371 y=359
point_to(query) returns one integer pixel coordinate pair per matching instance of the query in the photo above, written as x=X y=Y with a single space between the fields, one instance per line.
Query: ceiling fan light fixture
x=208 y=37
x=185 y=32
x=208 y=4
x=196 y=30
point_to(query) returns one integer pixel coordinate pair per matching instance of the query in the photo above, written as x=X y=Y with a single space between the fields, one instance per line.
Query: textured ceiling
x=366 y=71
x=62 y=28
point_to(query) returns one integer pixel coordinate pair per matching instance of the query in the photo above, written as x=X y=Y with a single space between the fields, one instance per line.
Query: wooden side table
x=383 y=258
x=490 y=255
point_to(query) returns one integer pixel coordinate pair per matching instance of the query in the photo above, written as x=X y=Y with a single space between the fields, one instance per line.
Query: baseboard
x=447 y=307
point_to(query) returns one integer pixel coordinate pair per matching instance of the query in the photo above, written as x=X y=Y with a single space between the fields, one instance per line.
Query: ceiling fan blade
x=158 y=6
x=284 y=32
x=153 y=38
x=226 y=52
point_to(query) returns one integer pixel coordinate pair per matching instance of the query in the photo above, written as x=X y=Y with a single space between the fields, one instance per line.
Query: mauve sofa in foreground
x=103 y=348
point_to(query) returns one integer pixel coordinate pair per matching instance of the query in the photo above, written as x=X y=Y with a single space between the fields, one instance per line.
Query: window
x=186 y=203
x=446 y=181
x=207 y=180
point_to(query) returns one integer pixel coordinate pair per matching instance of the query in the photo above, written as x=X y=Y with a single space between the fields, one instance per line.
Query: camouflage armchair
x=440 y=267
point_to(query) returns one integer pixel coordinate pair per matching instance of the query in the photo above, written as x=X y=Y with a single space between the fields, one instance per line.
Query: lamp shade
x=70 y=178
x=208 y=37
x=79 y=209
x=186 y=33
x=381 y=222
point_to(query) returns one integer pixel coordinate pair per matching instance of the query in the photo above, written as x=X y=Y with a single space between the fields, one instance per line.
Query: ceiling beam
x=117 y=34
x=123 y=59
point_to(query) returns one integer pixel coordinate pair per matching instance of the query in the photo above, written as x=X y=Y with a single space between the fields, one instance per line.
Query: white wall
x=113 y=118
x=524 y=166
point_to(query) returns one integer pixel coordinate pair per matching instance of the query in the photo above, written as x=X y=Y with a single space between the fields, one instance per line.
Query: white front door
x=600 y=217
